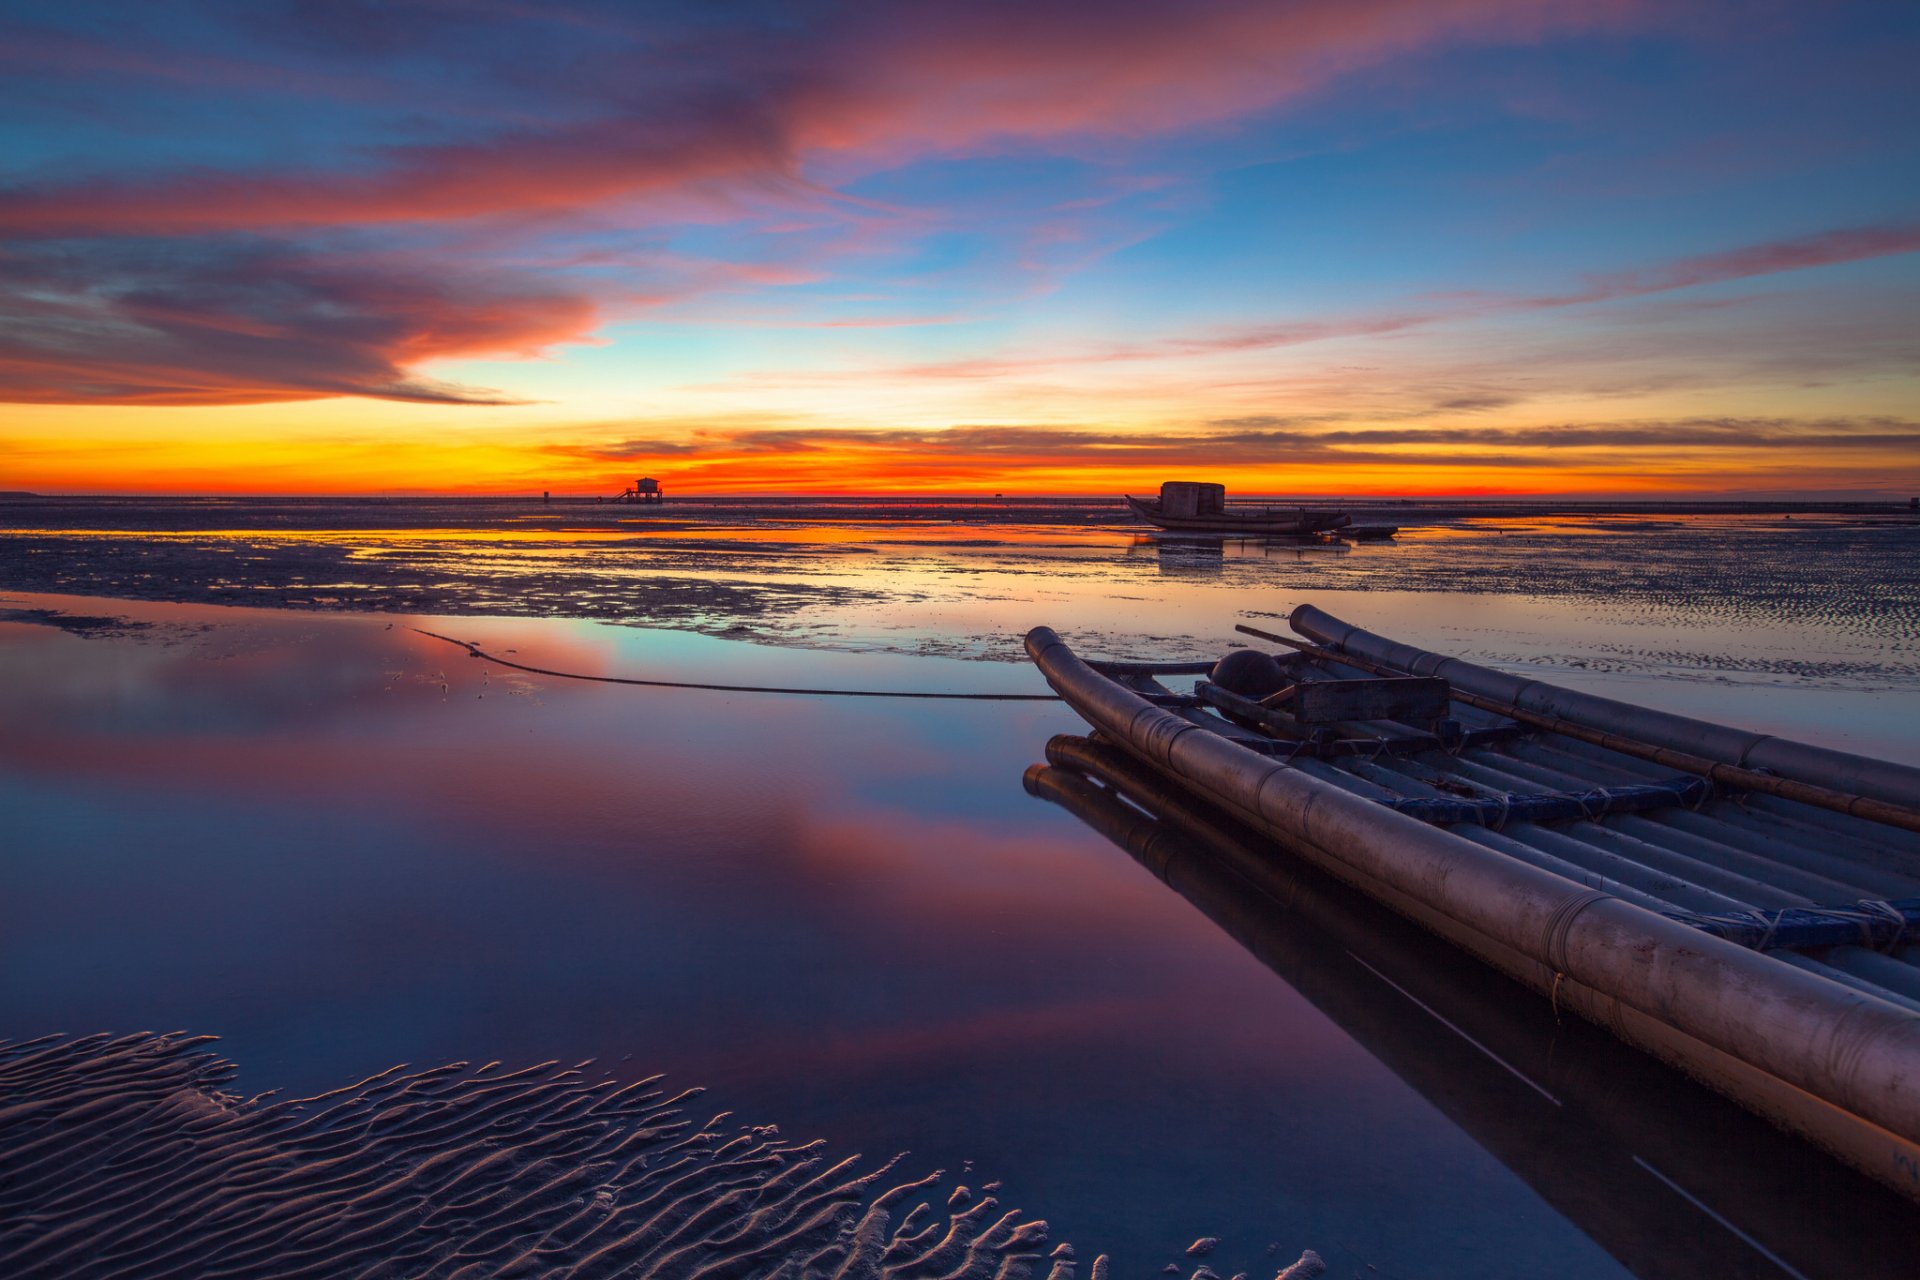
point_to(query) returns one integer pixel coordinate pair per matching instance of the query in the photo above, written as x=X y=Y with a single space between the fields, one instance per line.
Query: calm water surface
x=340 y=844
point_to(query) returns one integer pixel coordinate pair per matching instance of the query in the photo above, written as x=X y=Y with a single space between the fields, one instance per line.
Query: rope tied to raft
x=1743 y=781
x=1873 y=923
x=1745 y=798
x=1593 y=804
x=475 y=651
x=1880 y=909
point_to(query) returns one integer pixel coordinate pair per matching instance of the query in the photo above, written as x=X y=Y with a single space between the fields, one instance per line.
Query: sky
x=1311 y=247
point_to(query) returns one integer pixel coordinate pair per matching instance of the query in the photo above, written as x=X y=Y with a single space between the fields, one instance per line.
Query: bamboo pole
x=1842 y=771
x=1882 y=811
x=1311 y=934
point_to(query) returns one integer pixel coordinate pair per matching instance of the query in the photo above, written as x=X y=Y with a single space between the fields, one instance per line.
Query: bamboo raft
x=1604 y=1134
x=1743 y=907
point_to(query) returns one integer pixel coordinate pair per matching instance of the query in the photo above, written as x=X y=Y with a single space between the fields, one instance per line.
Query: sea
x=256 y=783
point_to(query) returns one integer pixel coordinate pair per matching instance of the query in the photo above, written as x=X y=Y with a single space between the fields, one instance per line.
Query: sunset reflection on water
x=341 y=844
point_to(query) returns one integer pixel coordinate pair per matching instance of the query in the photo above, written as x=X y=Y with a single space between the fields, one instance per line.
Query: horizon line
x=1870 y=497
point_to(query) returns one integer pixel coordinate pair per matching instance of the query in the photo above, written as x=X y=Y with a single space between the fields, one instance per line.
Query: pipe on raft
x=1757 y=780
x=1881 y=780
x=1582 y=847
x=1632 y=968
x=1864 y=1146
x=1611 y=1105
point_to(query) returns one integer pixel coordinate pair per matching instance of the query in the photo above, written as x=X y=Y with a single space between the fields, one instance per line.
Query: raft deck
x=1765 y=944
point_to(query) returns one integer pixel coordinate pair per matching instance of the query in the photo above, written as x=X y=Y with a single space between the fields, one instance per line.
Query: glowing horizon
x=1481 y=247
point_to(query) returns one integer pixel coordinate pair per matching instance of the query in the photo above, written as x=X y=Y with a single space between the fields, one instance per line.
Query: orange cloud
x=1262 y=454
x=1275 y=455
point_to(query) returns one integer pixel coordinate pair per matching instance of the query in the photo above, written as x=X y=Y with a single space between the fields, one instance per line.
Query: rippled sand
x=125 y=1157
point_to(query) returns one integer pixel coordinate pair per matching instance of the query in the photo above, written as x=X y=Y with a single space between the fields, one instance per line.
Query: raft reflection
x=1669 y=1178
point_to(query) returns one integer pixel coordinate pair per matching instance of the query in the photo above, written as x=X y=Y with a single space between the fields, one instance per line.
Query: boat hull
x=1831 y=1062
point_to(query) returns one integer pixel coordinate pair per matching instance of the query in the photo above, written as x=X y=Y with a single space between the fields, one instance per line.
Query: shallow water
x=340 y=844
x=1758 y=597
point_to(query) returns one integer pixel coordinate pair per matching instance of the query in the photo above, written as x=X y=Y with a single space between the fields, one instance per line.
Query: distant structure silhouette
x=645 y=490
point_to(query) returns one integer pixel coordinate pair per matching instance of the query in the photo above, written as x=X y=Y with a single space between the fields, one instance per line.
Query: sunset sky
x=1328 y=246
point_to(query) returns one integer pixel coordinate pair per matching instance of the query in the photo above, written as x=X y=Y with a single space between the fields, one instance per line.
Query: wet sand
x=127 y=1157
x=1834 y=595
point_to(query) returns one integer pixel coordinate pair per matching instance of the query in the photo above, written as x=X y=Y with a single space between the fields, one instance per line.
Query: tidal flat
x=246 y=796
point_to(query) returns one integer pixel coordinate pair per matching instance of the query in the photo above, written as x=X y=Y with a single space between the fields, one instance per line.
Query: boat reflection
x=1188 y=553
x=1670 y=1179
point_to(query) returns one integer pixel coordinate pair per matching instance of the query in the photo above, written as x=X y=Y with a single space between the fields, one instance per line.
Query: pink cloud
x=890 y=81
x=1827 y=248
x=958 y=75
x=522 y=173
x=642 y=118
x=1821 y=249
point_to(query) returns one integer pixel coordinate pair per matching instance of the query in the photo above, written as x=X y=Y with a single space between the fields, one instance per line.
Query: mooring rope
x=1870 y=922
x=475 y=651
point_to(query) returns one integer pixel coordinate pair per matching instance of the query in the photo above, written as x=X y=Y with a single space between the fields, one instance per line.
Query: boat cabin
x=1189 y=498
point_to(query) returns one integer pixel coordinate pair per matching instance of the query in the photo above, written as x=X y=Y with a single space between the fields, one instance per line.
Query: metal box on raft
x=1192 y=498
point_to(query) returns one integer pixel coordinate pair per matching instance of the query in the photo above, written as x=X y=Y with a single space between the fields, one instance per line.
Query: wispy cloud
x=683 y=108
x=901 y=185
x=1821 y=249
x=1826 y=248
x=593 y=120
x=1274 y=441
x=228 y=320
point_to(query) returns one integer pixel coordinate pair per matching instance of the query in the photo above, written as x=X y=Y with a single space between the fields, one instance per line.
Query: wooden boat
x=1744 y=907
x=1187 y=507
x=1606 y=1135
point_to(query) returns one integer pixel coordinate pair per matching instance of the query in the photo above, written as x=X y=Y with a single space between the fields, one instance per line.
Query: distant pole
x=546 y=496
